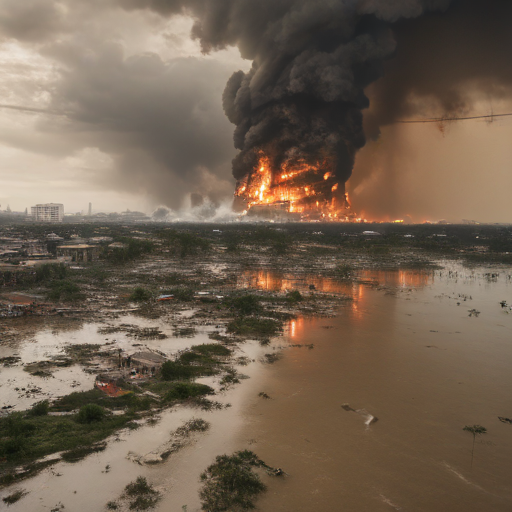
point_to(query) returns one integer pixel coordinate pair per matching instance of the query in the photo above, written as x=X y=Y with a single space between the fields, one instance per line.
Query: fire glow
x=305 y=190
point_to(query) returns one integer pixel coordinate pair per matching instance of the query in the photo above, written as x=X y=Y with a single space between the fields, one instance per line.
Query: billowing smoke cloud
x=316 y=63
x=325 y=75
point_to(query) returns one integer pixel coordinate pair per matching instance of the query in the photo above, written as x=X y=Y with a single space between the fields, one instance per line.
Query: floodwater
x=405 y=351
x=408 y=355
x=47 y=338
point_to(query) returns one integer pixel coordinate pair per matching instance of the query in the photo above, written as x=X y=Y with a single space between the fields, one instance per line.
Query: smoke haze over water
x=142 y=111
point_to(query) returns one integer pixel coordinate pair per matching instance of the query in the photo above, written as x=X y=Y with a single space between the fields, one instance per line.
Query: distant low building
x=80 y=252
x=50 y=212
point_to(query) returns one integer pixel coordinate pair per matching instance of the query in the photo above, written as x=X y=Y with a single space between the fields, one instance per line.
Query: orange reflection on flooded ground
x=272 y=281
x=269 y=280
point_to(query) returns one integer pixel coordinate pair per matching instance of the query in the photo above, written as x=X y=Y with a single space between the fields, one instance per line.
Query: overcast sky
x=120 y=108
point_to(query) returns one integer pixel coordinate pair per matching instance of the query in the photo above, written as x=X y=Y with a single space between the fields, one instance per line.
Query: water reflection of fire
x=273 y=281
x=296 y=327
x=307 y=191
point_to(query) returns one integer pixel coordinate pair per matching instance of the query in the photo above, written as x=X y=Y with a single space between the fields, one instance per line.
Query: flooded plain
x=369 y=419
x=425 y=356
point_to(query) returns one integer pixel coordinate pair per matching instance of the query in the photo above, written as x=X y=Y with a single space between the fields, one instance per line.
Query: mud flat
x=409 y=354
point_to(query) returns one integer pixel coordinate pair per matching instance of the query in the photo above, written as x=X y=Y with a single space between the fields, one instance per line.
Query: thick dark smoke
x=302 y=100
x=316 y=62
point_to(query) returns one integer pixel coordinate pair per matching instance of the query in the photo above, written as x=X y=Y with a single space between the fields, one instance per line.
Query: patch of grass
x=140 y=294
x=193 y=425
x=184 y=332
x=181 y=293
x=141 y=495
x=50 y=272
x=39 y=408
x=271 y=358
x=14 y=497
x=78 y=399
x=90 y=412
x=81 y=452
x=186 y=390
x=212 y=349
x=208 y=405
x=64 y=291
x=172 y=370
x=344 y=271
x=26 y=439
x=260 y=327
x=294 y=297
x=245 y=305
x=230 y=482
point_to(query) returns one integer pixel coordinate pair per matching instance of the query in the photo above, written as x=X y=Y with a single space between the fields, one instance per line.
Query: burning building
x=298 y=192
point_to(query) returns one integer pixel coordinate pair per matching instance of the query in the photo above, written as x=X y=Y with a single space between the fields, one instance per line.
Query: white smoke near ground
x=206 y=212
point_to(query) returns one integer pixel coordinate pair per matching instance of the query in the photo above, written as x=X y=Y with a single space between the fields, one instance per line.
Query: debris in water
x=368 y=418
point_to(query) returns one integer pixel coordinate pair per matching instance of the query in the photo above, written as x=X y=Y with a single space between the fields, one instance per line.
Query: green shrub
x=50 y=271
x=245 y=305
x=294 y=296
x=140 y=294
x=230 y=483
x=175 y=371
x=212 y=349
x=90 y=413
x=40 y=408
x=65 y=291
x=184 y=390
x=254 y=326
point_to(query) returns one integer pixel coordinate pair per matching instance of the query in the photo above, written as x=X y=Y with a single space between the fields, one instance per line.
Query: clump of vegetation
x=186 y=390
x=212 y=349
x=140 y=294
x=182 y=293
x=90 y=412
x=260 y=327
x=133 y=249
x=50 y=272
x=81 y=452
x=184 y=332
x=230 y=378
x=230 y=482
x=14 y=497
x=64 y=291
x=271 y=358
x=193 y=425
x=185 y=244
x=141 y=495
x=40 y=408
x=294 y=297
x=344 y=271
x=245 y=305
x=264 y=395
x=474 y=430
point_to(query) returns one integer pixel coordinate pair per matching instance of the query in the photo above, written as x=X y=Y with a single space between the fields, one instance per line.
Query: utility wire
x=445 y=119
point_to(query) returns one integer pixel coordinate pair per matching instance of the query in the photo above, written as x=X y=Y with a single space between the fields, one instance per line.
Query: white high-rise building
x=51 y=212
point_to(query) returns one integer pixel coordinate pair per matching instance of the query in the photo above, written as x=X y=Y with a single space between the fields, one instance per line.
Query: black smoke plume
x=316 y=62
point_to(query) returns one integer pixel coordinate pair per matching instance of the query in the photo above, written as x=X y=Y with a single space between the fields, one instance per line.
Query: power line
x=445 y=119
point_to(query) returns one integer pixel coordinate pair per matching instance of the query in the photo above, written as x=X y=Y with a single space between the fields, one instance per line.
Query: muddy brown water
x=402 y=351
x=417 y=361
